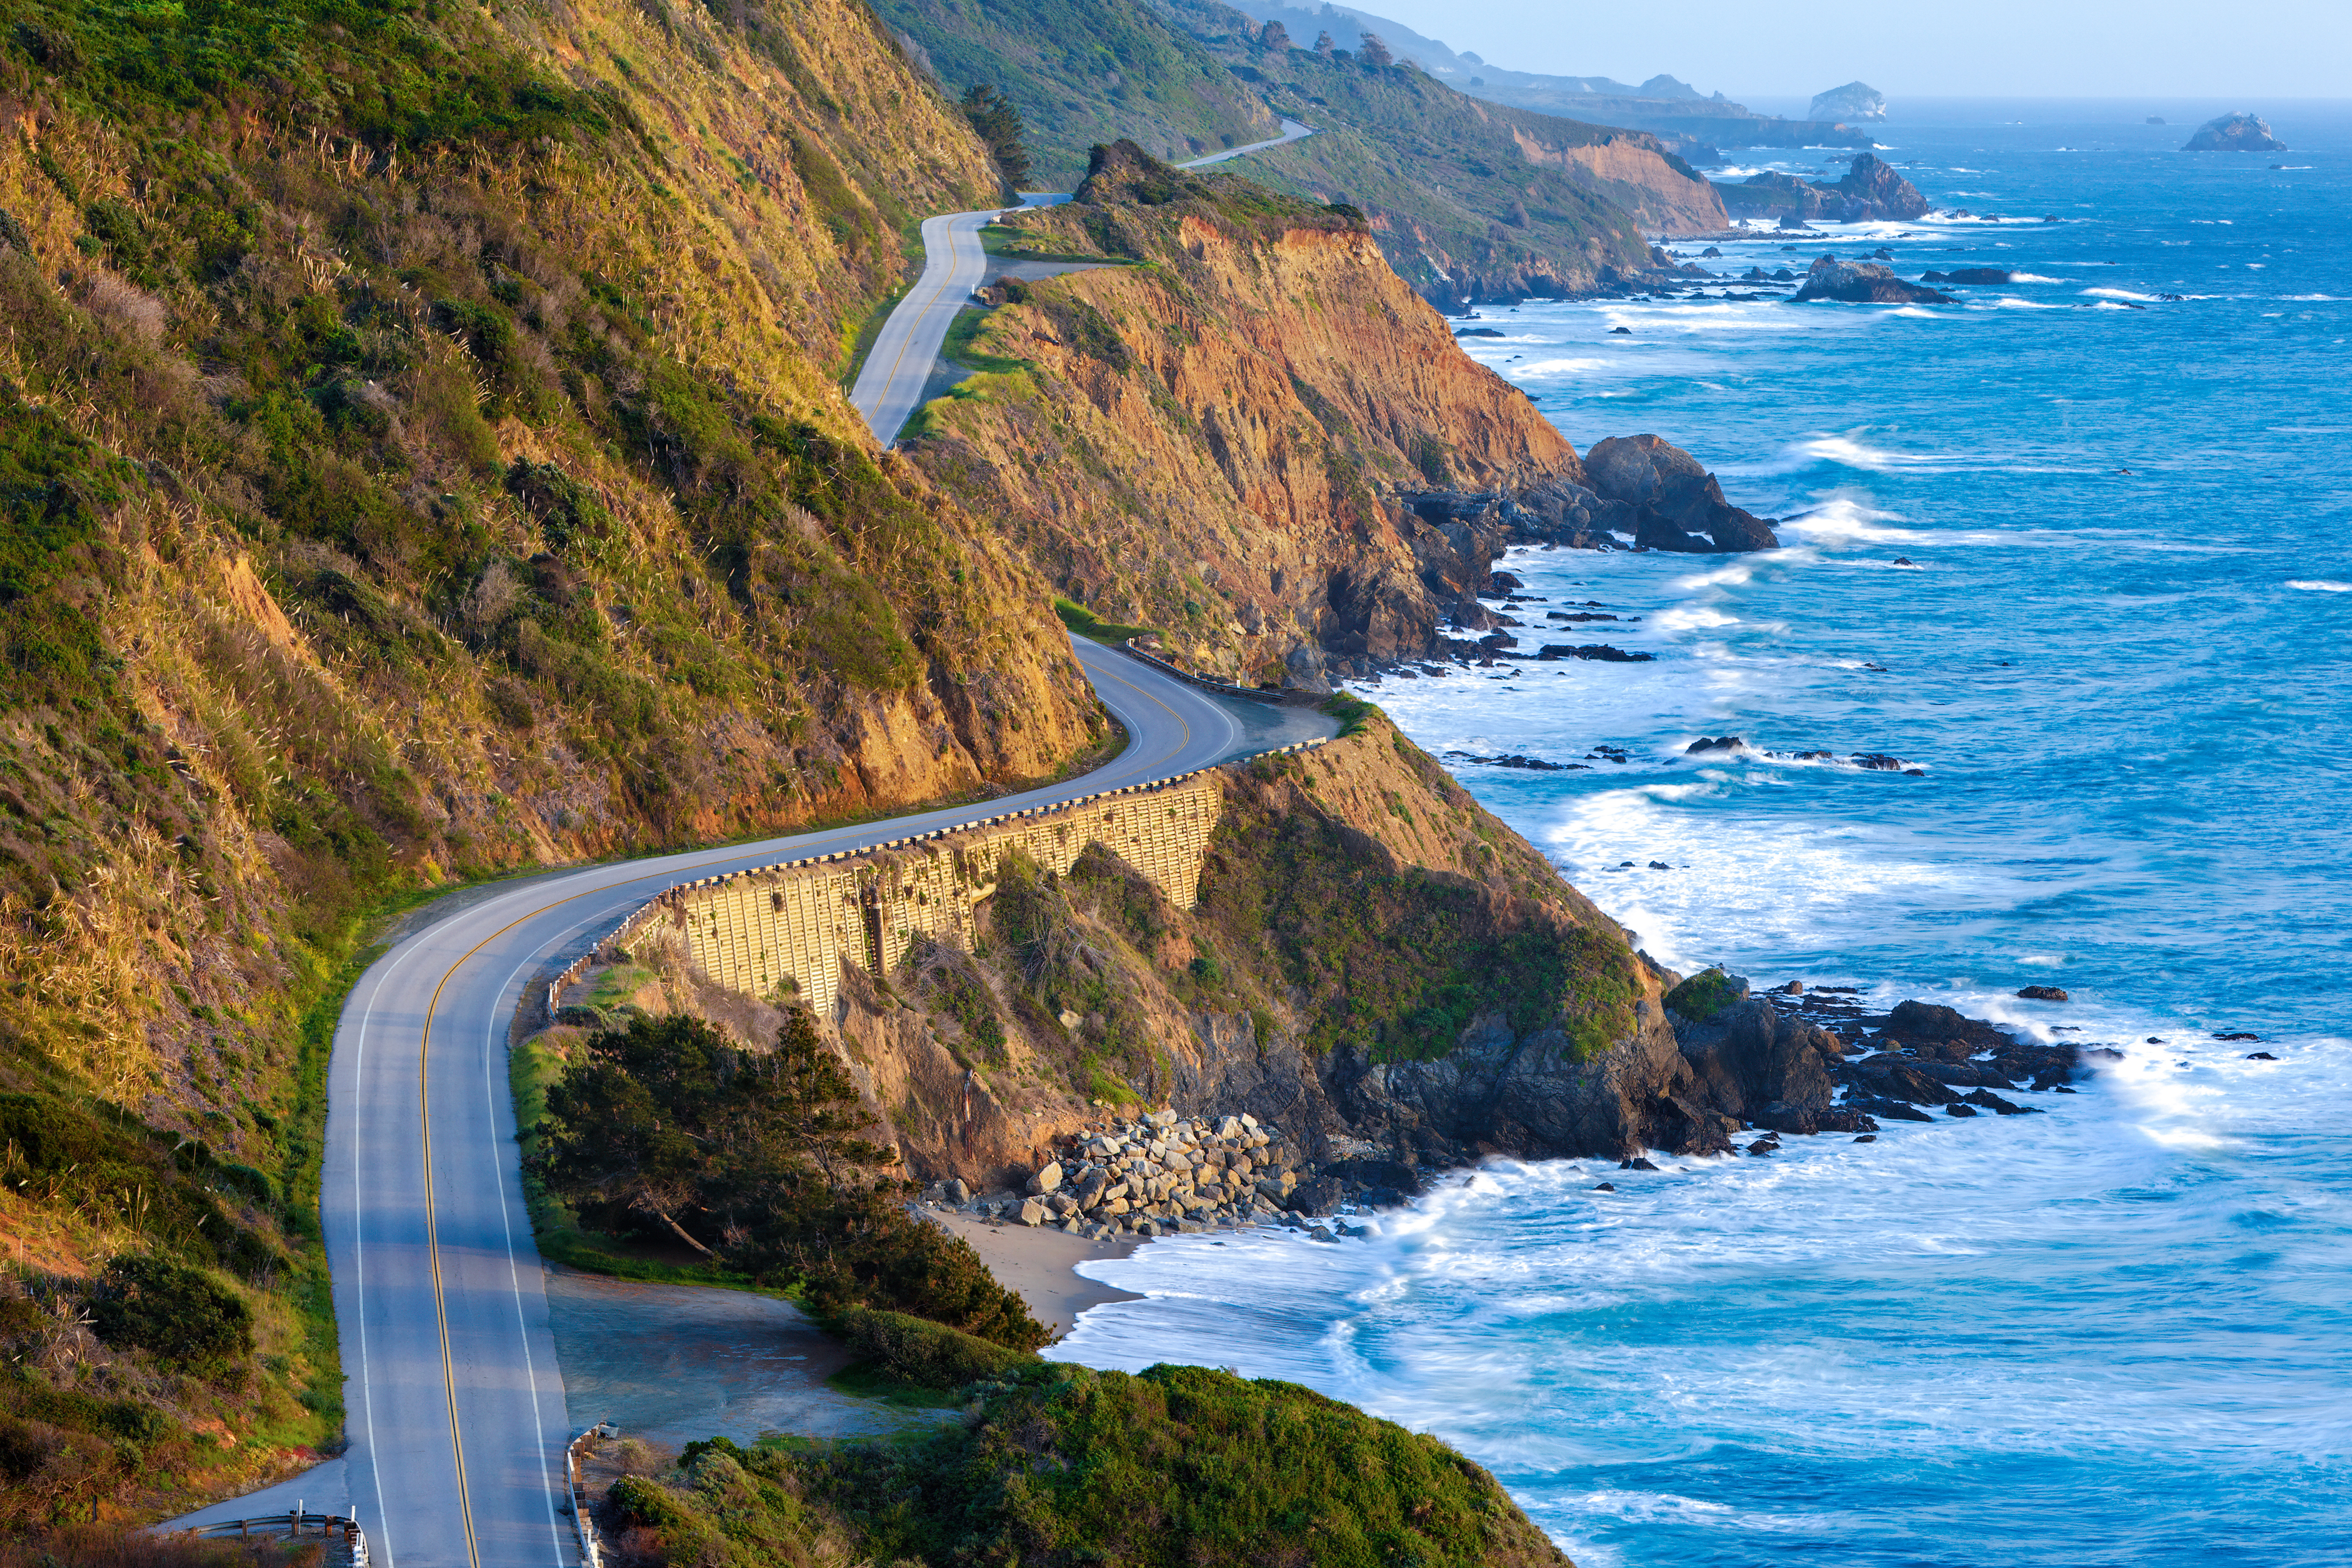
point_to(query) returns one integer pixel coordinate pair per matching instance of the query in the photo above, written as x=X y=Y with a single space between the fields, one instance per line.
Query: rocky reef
x=1638 y=487
x=2235 y=133
x=1869 y=191
x=1864 y=283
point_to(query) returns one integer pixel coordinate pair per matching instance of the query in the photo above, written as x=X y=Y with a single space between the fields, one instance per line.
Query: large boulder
x=1750 y=1062
x=1678 y=503
x=1852 y=103
x=2235 y=133
x=1536 y=1093
x=1864 y=283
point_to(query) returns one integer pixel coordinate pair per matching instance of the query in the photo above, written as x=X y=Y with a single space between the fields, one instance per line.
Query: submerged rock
x=2235 y=133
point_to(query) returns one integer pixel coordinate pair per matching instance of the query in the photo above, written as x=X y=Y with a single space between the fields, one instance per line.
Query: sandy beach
x=1041 y=1265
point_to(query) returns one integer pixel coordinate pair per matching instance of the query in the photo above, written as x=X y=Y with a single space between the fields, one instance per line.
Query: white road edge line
x=491 y=1052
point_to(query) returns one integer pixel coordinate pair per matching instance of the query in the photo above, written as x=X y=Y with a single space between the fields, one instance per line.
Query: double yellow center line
x=425 y=1117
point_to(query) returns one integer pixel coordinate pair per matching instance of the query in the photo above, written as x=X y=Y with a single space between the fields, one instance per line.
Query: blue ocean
x=2079 y=551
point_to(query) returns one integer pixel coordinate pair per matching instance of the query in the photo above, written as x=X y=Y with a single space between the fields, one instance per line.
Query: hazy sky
x=2091 y=48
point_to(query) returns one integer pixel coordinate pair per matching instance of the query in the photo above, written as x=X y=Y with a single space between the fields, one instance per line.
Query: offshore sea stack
x=1856 y=101
x=1869 y=191
x=2235 y=133
x=1678 y=503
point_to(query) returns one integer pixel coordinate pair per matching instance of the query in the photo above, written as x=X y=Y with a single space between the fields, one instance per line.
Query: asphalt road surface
x=1291 y=131
x=454 y=1400
x=890 y=383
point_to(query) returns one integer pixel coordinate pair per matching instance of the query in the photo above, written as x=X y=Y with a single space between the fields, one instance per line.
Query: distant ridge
x=1662 y=105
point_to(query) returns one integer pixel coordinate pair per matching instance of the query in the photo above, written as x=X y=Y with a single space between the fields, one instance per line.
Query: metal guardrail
x=294 y=1525
x=661 y=900
x=592 y=1553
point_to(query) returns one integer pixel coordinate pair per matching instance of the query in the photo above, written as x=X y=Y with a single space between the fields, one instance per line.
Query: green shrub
x=1179 y=1466
x=759 y=1159
x=177 y=1313
x=928 y=1354
x=1704 y=995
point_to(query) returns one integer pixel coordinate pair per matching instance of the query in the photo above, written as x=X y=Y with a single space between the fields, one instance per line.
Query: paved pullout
x=454 y=1401
x=890 y=383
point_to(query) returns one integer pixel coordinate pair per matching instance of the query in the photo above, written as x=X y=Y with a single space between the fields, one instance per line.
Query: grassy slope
x=1061 y=1465
x=1083 y=71
x=1439 y=172
x=420 y=456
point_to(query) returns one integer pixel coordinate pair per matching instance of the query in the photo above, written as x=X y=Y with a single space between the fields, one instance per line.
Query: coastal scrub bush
x=1704 y=995
x=758 y=1160
x=1177 y=1466
x=913 y=1350
x=183 y=1318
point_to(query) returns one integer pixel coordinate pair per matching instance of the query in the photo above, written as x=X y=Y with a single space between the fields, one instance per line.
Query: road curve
x=889 y=386
x=890 y=383
x=1291 y=131
x=453 y=1402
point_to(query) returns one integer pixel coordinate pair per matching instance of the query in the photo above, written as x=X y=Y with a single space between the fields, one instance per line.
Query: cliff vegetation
x=1083 y=71
x=1057 y=1464
x=421 y=455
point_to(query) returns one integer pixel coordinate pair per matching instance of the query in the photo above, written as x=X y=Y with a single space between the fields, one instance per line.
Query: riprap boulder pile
x=1164 y=1173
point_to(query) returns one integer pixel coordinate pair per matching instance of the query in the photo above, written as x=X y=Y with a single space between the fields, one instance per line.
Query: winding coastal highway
x=453 y=1402
x=889 y=385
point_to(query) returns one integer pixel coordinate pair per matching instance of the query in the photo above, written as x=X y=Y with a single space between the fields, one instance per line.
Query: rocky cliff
x=1376 y=968
x=1213 y=444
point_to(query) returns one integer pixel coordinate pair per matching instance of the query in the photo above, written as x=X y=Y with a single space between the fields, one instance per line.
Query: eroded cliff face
x=1376 y=966
x=1219 y=443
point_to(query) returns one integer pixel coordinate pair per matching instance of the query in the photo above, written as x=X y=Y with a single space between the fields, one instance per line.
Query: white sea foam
x=2319 y=585
x=2311 y=296
x=2010 y=302
x=1560 y=367
x=2034 y=278
x=1691 y=618
x=2120 y=294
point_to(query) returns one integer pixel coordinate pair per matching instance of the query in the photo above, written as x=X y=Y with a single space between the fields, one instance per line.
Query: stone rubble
x=1158 y=1174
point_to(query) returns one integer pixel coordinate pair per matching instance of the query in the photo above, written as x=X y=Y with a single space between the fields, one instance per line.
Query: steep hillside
x=1471 y=200
x=1214 y=444
x=1083 y=71
x=422 y=455
x=1695 y=122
